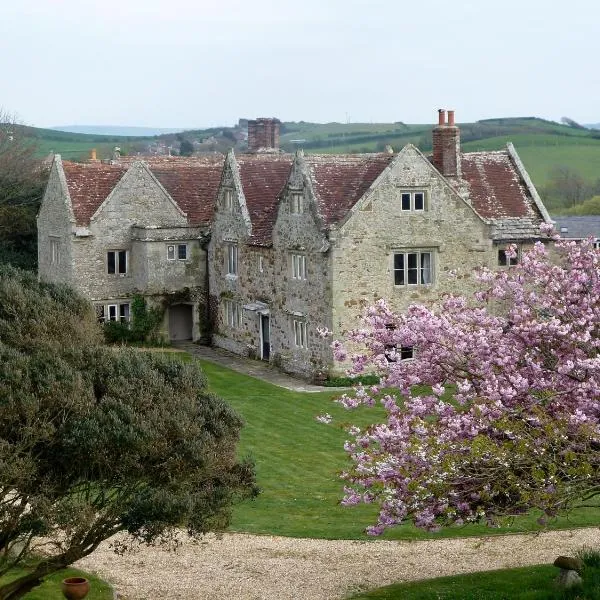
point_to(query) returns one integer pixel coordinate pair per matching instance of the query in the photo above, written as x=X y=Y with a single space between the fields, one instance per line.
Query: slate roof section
x=491 y=183
x=263 y=177
x=339 y=181
x=89 y=185
x=577 y=227
x=191 y=182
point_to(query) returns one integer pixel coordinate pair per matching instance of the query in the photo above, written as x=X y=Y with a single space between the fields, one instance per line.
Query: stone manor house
x=254 y=252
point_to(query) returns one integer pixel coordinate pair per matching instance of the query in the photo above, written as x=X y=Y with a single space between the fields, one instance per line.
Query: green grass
x=298 y=461
x=524 y=583
x=51 y=588
x=527 y=583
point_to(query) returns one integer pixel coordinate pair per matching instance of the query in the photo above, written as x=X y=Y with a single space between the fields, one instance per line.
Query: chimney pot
x=451 y=118
x=446 y=146
x=441 y=116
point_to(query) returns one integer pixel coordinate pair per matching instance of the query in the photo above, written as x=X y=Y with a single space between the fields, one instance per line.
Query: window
x=300 y=339
x=54 y=251
x=413 y=268
x=177 y=252
x=412 y=201
x=228 y=204
x=232 y=259
x=232 y=313
x=117 y=262
x=394 y=353
x=298 y=266
x=296 y=203
x=113 y=312
x=506 y=261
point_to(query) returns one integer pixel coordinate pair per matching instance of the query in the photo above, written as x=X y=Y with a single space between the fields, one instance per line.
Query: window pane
x=112 y=312
x=426 y=268
x=405 y=201
x=413 y=270
x=182 y=251
x=398 y=269
x=419 y=200
x=111 y=262
x=122 y=261
x=170 y=252
x=406 y=352
x=502 y=258
x=124 y=312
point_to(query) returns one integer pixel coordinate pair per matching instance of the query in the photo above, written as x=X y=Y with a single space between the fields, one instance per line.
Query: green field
x=298 y=461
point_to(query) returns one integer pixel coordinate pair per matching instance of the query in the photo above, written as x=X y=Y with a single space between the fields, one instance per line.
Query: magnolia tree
x=498 y=412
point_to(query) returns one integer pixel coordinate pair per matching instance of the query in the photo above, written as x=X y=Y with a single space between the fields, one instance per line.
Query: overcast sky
x=194 y=63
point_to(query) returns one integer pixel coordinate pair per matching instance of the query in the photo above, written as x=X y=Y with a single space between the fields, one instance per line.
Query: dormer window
x=296 y=203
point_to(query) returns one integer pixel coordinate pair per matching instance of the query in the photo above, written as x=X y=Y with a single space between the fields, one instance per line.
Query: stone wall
x=54 y=223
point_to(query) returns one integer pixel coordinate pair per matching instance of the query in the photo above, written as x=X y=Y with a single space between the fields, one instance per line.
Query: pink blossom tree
x=510 y=419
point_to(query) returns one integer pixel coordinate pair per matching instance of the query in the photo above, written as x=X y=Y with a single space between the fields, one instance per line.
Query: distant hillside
x=593 y=125
x=117 y=130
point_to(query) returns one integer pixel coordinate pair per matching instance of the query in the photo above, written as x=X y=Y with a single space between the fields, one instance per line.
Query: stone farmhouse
x=254 y=252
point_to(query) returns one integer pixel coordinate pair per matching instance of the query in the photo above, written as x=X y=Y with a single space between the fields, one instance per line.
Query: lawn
x=51 y=588
x=298 y=461
x=525 y=583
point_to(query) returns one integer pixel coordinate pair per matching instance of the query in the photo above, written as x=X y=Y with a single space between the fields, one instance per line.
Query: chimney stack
x=93 y=157
x=263 y=135
x=446 y=145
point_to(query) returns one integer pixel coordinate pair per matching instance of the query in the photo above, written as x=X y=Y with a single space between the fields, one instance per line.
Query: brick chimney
x=446 y=145
x=263 y=135
x=93 y=156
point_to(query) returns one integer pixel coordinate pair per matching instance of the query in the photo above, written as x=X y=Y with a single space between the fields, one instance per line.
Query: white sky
x=188 y=63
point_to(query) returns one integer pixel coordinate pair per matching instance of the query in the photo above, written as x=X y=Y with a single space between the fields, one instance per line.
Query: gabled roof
x=577 y=227
x=339 y=181
x=191 y=182
x=492 y=184
x=263 y=177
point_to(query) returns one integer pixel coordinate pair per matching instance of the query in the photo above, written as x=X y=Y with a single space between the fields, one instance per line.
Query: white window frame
x=508 y=262
x=121 y=312
x=296 y=203
x=299 y=266
x=117 y=271
x=425 y=273
x=411 y=196
x=54 y=250
x=232 y=313
x=173 y=252
x=231 y=259
x=300 y=332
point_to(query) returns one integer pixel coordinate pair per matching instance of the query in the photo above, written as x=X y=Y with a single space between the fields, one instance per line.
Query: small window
x=300 y=339
x=412 y=201
x=123 y=312
x=506 y=261
x=117 y=262
x=170 y=252
x=394 y=353
x=55 y=251
x=232 y=259
x=296 y=203
x=182 y=251
x=413 y=268
x=232 y=313
x=228 y=203
x=260 y=264
x=298 y=266
x=113 y=312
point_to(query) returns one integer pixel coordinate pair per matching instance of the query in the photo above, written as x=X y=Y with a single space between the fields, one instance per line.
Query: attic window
x=412 y=201
x=296 y=203
x=564 y=230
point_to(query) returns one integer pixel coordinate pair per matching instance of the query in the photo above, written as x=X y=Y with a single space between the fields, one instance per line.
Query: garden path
x=250 y=567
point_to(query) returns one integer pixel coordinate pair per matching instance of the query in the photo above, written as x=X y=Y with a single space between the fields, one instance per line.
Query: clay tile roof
x=494 y=186
x=263 y=177
x=339 y=181
x=89 y=185
x=191 y=182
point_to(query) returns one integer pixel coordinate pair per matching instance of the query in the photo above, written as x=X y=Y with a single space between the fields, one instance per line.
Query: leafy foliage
x=143 y=327
x=523 y=428
x=94 y=441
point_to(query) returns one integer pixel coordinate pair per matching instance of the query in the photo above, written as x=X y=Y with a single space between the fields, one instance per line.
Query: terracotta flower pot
x=75 y=588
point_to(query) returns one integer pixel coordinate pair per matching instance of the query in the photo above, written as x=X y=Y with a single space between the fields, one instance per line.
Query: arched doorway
x=181 y=322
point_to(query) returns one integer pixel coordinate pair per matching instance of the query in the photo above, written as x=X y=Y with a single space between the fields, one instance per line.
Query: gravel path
x=250 y=567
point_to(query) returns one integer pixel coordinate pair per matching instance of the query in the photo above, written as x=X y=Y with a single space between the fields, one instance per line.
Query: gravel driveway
x=250 y=567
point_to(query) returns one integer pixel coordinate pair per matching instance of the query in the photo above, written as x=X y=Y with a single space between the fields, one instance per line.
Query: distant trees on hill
x=567 y=191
